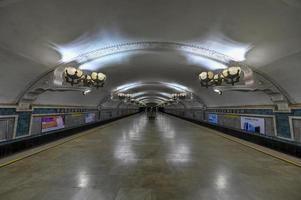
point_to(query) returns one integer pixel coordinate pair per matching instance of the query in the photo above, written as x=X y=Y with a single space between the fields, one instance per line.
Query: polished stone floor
x=138 y=159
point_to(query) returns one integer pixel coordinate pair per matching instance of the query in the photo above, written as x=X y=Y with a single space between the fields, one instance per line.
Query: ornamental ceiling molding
x=153 y=45
x=137 y=46
x=257 y=81
x=53 y=80
x=169 y=85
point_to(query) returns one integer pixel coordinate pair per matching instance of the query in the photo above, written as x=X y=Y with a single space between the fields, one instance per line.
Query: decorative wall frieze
x=46 y=83
x=255 y=81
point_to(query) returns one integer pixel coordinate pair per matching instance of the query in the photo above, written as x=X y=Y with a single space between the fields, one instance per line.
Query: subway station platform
x=81 y=83
x=137 y=158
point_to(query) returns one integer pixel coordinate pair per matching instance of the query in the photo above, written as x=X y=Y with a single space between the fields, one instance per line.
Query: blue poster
x=90 y=117
x=212 y=118
x=253 y=124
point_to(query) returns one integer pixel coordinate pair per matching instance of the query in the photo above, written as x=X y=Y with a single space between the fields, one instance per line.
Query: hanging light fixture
x=182 y=95
x=123 y=96
x=217 y=79
x=75 y=76
x=98 y=79
x=206 y=78
x=178 y=96
x=87 y=81
x=230 y=75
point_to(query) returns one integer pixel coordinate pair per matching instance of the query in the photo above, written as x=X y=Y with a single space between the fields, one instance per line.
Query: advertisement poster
x=76 y=114
x=212 y=118
x=253 y=124
x=90 y=117
x=231 y=116
x=51 y=123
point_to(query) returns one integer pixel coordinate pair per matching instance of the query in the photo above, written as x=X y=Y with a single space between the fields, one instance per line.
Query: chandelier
x=177 y=96
x=230 y=75
x=76 y=76
x=123 y=96
x=127 y=98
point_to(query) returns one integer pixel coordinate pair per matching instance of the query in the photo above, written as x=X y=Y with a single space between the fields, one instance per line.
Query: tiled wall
x=296 y=128
x=277 y=124
x=24 y=119
x=23 y=123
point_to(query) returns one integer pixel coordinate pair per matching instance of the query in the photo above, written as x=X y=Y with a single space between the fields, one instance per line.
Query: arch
x=153 y=45
x=54 y=81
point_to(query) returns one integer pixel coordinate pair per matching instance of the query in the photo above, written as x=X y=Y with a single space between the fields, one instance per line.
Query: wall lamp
x=230 y=75
x=85 y=92
x=218 y=91
x=76 y=76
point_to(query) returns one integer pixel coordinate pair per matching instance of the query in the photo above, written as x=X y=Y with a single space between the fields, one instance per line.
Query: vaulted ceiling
x=38 y=35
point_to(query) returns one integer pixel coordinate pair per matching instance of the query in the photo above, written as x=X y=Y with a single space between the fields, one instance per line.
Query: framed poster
x=51 y=123
x=231 y=116
x=212 y=118
x=253 y=124
x=90 y=117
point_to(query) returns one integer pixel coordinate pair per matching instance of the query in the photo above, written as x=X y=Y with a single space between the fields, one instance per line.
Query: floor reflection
x=123 y=148
x=161 y=159
x=83 y=179
x=178 y=150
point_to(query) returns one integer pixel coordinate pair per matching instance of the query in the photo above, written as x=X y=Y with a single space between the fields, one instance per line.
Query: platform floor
x=138 y=159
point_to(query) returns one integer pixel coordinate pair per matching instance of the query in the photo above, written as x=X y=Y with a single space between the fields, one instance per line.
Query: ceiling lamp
x=87 y=80
x=177 y=96
x=230 y=75
x=75 y=76
x=98 y=78
x=206 y=78
x=218 y=79
x=123 y=96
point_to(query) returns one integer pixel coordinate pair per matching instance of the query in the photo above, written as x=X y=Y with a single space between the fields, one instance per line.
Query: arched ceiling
x=149 y=49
